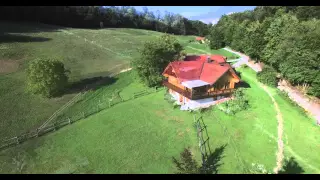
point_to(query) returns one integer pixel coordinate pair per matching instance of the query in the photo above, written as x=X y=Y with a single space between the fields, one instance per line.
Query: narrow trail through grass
x=96 y=44
x=279 y=139
x=280 y=150
x=280 y=155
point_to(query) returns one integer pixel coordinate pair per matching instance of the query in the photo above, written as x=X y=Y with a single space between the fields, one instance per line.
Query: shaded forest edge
x=283 y=37
x=110 y=16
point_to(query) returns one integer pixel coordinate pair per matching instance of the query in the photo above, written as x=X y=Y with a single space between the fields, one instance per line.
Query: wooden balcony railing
x=177 y=89
x=211 y=94
x=198 y=95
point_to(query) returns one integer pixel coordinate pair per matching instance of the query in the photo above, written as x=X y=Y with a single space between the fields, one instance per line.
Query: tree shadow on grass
x=87 y=84
x=10 y=38
x=291 y=166
x=188 y=165
x=27 y=27
x=213 y=161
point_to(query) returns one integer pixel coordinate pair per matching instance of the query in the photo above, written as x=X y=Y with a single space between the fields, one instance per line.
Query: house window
x=227 y=85
x=219 y=85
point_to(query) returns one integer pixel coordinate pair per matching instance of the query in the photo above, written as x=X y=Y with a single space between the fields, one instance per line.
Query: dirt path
x=244 y=59
x=280 y=155
x=309 y=105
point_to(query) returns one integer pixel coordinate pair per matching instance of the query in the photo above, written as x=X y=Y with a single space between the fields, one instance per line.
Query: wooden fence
x=50 y=126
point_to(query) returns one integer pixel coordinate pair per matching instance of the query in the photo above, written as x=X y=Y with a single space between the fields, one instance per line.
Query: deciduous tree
x=154 y=57
x=46 y=77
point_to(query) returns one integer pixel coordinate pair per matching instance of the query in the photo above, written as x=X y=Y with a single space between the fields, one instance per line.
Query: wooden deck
x=201 y=95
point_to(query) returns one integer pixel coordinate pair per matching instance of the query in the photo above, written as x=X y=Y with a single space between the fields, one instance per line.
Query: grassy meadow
x=142 y=136
x=136 y=136
x=87 y=53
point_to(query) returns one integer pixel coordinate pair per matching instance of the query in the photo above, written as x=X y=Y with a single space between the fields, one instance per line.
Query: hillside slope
x=87 y=53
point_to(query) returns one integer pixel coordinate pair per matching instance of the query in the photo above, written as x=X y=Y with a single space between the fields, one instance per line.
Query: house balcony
x=197 y=95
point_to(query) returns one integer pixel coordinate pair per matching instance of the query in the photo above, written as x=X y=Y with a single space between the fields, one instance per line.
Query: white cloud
x=190 y=14
x=215 y=21
x=210 y=20
x=229 y=13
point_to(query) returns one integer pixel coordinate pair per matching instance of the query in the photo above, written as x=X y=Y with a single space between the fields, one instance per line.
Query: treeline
x=286 y=38
x=115 y=17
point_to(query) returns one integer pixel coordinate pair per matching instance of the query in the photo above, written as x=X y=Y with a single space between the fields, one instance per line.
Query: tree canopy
x=154 y=57
x=111 y=16
x=284 y=37
x=46 y=77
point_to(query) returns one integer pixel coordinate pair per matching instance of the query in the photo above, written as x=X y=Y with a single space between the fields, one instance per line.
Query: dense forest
x=285 y=38
x=111 y=16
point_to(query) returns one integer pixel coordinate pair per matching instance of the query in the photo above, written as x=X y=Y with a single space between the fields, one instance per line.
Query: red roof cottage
x=200 y=38
x=199 y=81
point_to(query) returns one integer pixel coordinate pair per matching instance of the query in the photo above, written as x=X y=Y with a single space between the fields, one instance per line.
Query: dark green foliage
x=216 y=39
x=255 y=41
x=307 y=12
x=275 y=35
x=315 y=86
x=284 y=37
x=110 y=16
x=238 y=103
x=46 y=77
x=268 y=76
x=155 y=56
x=301 y=53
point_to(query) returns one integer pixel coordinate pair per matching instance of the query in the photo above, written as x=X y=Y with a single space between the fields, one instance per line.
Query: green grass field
x=301 y=135
x=142 y=135
x=194 y=48
x=136 y=136
x=87 y=53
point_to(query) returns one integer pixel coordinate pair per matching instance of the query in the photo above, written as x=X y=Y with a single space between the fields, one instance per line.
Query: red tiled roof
x=199 y=70
x=200 y=38
x=187 y=70
x=204 y=57
x=211 y=72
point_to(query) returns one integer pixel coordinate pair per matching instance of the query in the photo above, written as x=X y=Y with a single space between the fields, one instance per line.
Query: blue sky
x=205 y=14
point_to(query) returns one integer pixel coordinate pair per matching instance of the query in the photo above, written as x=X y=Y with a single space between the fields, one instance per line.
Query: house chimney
x=208 y=59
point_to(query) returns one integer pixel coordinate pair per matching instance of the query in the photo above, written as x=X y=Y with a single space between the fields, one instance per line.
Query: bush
x=268 y=76
x=170 y=100
x=46 y=77
x=315 y=87
x=238 y=103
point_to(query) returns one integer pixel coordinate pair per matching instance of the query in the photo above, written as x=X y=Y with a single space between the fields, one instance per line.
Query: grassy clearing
x=87 y=53
x=137 y=136
x=141 y=135
x=194 y=48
